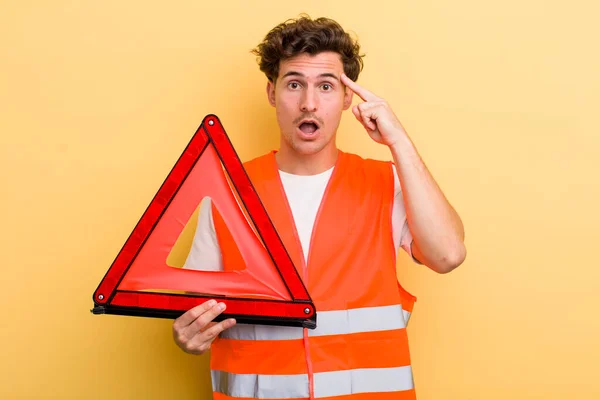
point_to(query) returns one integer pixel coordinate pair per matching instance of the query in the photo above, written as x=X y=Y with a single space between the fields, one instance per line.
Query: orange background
x=98 y=99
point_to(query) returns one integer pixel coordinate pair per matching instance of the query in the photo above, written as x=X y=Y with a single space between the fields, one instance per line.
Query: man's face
x=309 y=99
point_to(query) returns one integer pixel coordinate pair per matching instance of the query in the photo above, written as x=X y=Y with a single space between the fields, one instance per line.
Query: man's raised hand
x=375 y=115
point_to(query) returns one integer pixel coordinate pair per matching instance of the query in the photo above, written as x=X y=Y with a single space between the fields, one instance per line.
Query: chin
x=308 y=148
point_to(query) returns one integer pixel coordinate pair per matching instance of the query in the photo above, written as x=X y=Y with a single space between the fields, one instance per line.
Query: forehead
x=313 y=65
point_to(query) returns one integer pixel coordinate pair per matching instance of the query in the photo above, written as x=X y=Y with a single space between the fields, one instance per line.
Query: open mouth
x=308 y=127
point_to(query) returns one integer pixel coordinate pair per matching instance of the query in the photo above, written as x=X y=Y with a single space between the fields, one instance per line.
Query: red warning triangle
x=141 y=283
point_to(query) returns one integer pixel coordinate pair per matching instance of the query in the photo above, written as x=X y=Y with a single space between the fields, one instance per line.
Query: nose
x=309 y=101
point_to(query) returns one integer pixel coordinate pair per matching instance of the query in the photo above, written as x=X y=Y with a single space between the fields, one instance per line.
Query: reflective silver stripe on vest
x=356 y=320
x=337 y=383
x=406 y=316
x=260 y=386
x=262 y=332
x=367 y=380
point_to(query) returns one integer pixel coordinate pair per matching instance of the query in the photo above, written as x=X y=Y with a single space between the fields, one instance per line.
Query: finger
x=363 y=117
x=189 y=316
x=203 y=320
x=359 y=90
x=202 y=341
x=368 y=123
x=208 y=326
x=372 y=110
x=214 y=331
x=356 y=112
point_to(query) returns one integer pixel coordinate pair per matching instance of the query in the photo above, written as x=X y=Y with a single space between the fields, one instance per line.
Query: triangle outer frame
x=299 y=311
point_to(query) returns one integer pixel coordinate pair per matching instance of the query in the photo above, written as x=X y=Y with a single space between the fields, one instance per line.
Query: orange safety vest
x=359 y=349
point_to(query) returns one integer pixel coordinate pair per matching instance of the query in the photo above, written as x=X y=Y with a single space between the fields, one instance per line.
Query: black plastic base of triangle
x=309 y=323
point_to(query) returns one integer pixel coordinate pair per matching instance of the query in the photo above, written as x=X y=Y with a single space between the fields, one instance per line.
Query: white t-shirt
x=304 y=194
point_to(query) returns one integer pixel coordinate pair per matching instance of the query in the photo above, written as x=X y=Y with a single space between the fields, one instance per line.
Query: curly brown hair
x=305 y=35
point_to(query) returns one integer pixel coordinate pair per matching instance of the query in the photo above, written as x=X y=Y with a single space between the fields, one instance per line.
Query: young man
x=343 y=219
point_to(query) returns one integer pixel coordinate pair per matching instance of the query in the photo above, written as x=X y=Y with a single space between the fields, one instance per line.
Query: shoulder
x=369 y=166
x=259 y=162
x=258 y=159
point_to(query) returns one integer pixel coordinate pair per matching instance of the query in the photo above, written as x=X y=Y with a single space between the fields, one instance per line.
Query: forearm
x=437 y=229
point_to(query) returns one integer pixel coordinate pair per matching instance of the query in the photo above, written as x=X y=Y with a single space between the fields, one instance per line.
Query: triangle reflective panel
x=261 y=287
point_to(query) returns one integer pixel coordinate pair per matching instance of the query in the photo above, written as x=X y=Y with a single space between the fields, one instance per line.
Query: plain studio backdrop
x=99 y=98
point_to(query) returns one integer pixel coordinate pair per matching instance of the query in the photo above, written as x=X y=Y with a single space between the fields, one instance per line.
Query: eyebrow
x=323 y=75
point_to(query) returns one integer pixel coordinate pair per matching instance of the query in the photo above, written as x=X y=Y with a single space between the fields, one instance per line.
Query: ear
x=348 y=94
x=271 y=93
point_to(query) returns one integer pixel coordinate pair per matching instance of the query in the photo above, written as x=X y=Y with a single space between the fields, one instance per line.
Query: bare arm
x=437 y=229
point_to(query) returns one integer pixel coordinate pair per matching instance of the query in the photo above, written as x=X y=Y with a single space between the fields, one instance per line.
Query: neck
x=306 y=164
